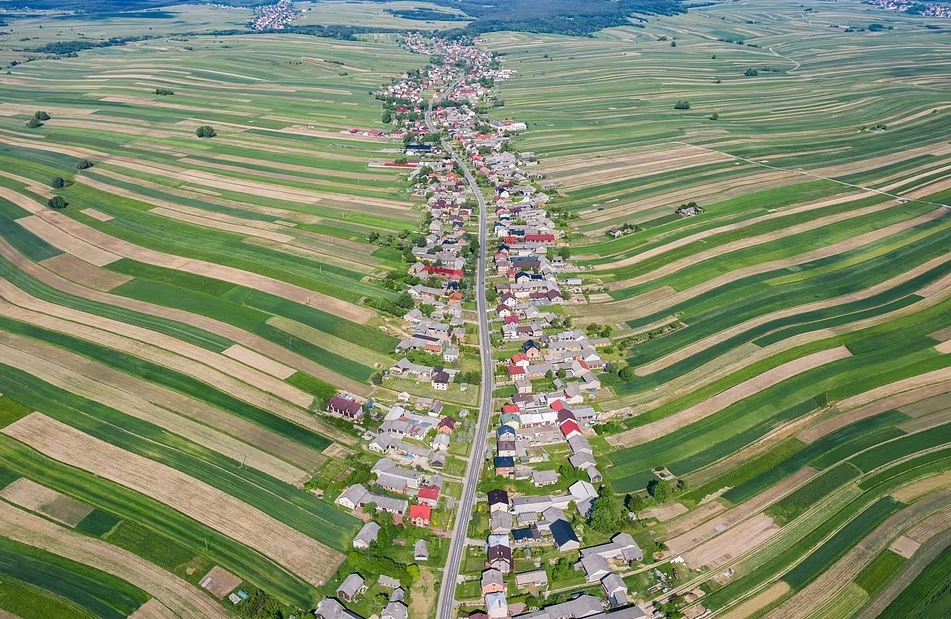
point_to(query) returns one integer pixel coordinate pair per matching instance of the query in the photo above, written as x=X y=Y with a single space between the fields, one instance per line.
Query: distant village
x=550 y=379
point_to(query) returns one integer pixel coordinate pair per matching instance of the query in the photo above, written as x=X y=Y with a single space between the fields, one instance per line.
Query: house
x=505 y=466
x=506 y=432
x=500 y=558
x=446 y=425
x=428 y=495
x=569 y=428
x=366 y=536
x=582 y=606
x=421 y=551
x=405 y=367
x=595 y=567
x=544 y=478
x=500 y=522
x=352 y=587
x=388 y=582
x=621 y=549
x=496 y=605
x=441 y=380
x=565 y=538
x=492 y=581
x=420 y=515
x=615 y=589
x=526 y=536
x=582 y=490
x=346 y=406
x=352 y=497
x=395 y=610
x=506 y=448
x=498 y=500
x=537 y=580
x=450 y=354
x=329 y=608
x=387 y=504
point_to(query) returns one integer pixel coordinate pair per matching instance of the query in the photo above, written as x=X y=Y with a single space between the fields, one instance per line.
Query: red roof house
x=569 y=428
x=429 y=495
x=420 y=515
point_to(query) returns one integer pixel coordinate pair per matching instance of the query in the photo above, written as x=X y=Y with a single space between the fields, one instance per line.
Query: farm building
x=346 y=406
x=352 y=587
x=366 y=536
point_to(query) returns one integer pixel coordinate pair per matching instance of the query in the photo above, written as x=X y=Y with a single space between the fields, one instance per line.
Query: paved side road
x=457 y=545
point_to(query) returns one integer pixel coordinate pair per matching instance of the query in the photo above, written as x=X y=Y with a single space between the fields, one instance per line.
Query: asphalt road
x=457 y=545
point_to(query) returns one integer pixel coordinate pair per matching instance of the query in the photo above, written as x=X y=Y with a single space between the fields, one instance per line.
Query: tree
x=83 y=164
x=387 y=117
x=33 y=123
x=661 y=489
x=206 y=131
x=714 y=116
x=41 y=115
x=751 y=72
x=607 y=516
x=634 y=502
x=627 y=373
x=564 y=253
x=682 y=105
x=57 y=202
x=58 y=182
x=164 y=92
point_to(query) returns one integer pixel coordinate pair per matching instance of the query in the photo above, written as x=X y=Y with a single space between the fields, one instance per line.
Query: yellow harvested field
x=249 y=340
x=107 y=249
x=904 y=546
x=84 y=273
x=733 y=544
x=941 y=375
x=288 y=547
x=183 y=599
x=871 y=409
x=663 y=513
x=216 y=224
x=695 y=518
x=55 y=236
x=749 y=241
x=201 y=363
x=699 y=236
x=938 y=523
x=230 y=436
x=807 y=601
x=153 y=609
x=717 y=403
x=37 y=498
x=711 y=528
x=919 y=488
x=763 y=599
x=653 y=302
x=258 y=361
x=103 y=217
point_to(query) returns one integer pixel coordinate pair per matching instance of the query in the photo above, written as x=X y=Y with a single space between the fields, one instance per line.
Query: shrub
x=206 y=131
x=33 y=123
x=682 y=105
x=41 y=116
x=164 y=91
x=83 y=164
x=58 y=182
x=751 y=72
x=57 y=202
